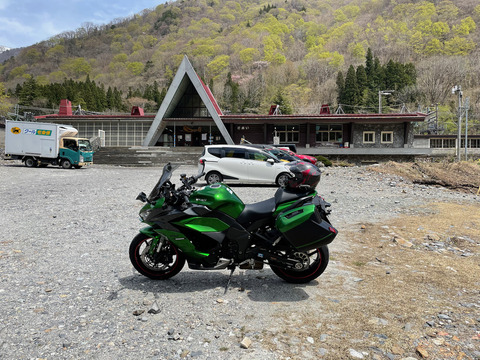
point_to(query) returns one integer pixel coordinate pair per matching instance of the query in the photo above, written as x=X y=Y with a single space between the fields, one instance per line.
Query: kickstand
x=232 y=269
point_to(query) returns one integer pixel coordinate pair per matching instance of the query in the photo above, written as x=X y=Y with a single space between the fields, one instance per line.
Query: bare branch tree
x=437 y=76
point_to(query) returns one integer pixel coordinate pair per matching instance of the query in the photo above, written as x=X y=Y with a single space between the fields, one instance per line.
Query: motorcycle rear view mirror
x=142 y=197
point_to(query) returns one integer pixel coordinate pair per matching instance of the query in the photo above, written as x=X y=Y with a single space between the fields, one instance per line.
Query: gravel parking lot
x=68 y=290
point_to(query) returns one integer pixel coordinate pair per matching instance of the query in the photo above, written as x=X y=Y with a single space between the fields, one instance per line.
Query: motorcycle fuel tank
x=218 y=197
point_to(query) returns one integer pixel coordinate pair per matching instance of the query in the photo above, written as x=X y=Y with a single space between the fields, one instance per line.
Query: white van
x=239 y=163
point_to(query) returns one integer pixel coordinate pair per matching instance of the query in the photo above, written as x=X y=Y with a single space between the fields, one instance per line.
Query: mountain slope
x=294 y=45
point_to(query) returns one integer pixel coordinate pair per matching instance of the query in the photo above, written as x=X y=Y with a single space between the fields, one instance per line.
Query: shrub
x=324 y=160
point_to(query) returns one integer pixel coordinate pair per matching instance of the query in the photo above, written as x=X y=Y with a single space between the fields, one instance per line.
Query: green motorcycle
x=212 y=229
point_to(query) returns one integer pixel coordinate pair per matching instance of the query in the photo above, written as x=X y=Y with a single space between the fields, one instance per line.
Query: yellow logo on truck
x=15 y=130
x=44 y=132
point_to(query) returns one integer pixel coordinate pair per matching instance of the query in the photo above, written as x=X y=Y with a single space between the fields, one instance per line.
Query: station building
x=189 y=116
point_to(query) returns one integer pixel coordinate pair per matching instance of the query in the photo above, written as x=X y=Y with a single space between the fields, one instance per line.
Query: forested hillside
x=254 y=52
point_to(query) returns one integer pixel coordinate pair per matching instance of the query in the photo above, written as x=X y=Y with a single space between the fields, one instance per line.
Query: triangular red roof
x=211 y=97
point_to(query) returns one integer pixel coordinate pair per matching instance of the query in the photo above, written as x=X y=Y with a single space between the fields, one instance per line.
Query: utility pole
x=457 y=89
x=467 y=106
x=380 y=93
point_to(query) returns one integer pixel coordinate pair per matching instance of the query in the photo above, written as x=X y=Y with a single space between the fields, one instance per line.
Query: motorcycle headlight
x=144 y=214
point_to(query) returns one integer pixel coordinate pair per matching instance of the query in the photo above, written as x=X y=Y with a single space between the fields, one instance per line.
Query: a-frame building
x=187 y=97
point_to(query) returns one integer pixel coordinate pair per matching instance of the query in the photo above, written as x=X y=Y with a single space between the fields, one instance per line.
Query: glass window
x=442 y=143
x=235 y=153
x=216 y=152
x=387 y=137
x=257 y=155
x=435 y=143
x=287 y=133
x=329 y=133
x=369 y=137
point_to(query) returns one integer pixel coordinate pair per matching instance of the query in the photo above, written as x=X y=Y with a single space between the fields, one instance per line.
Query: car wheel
x=213 y=177
x=282 y=179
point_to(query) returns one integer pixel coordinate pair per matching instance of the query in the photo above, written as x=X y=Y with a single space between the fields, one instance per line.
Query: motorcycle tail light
x=333 y=230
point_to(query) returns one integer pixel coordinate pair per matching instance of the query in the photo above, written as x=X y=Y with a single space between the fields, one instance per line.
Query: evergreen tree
x=110 y=99
x=378 y=75
x=351 y=90
x=369 y=66
x=282 y=101
x=156 y=94
x=117 y=100
x=232 y=94
x=28 y=93
x=362 y=84
x=340 y=88
x=18 y=90
x=162 y=96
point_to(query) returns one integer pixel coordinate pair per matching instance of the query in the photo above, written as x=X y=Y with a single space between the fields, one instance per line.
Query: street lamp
x=380 y=93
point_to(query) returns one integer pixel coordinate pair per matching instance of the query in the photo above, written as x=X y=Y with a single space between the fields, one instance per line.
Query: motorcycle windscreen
x=168 y=169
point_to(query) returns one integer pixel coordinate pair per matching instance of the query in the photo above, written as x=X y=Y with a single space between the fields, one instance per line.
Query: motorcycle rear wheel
x=317 y=264
x=164 y=264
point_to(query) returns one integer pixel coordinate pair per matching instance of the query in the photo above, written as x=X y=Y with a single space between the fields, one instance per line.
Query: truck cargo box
x=24 y=138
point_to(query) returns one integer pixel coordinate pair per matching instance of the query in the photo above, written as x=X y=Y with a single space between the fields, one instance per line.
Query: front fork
x=158 y=240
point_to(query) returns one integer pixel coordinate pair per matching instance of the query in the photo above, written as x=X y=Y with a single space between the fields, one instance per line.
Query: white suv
x=241 y=164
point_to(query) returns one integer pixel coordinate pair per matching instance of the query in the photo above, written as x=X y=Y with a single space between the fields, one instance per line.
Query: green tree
x=362 y=85
x=232 y=94
x=55 y=53
x=135 y=67
x=466 y=26
x=109 y=98
x=76 y=67
x=369 y=66
x=351 y=90
x=218 y=65
x=29 y=92
x=4 y=104
x=282 y=101
x=340 y=88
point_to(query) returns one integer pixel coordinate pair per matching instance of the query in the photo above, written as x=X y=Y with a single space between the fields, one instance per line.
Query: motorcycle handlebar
x=188 y=182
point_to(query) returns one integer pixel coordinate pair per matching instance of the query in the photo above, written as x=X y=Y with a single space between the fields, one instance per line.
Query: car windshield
x=166 y=175
x=84 y=145
x=281 y=154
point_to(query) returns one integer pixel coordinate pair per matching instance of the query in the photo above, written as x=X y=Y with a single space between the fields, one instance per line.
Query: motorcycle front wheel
x=163 y=264
x=317 y=263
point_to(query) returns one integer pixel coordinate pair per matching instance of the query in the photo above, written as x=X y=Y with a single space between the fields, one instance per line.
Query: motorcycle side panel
x=177 y=239
x=204 y=224
x=304 y=228
x=218 y=197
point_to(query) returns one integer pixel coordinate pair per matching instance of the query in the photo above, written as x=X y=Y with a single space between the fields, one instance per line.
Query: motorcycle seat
x=257 y=211
x=282 y=195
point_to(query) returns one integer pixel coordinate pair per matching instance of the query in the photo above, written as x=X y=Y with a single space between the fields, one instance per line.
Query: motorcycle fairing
x=203 y=224
x=177 y=238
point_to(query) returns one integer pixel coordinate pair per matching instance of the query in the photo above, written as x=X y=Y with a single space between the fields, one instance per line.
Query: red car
x=308 y=158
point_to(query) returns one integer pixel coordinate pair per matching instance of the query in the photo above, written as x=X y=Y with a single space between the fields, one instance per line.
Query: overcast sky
x=26 y=22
